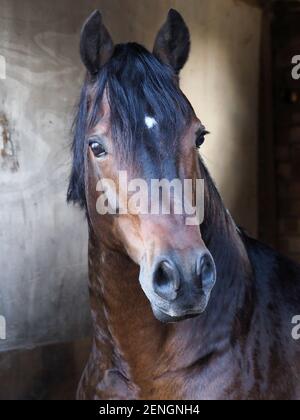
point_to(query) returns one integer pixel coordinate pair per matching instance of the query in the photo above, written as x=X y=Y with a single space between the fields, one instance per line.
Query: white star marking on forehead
x=150 y=122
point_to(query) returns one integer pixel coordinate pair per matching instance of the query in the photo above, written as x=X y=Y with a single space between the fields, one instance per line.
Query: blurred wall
x=43 y=242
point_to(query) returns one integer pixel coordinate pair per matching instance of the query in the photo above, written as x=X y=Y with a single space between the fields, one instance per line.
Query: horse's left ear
x=96 y=45
x=172 y=44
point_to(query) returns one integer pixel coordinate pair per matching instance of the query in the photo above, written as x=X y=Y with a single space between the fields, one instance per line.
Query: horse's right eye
x=97 y=149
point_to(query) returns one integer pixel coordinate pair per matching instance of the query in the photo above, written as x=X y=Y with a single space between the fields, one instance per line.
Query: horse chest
x=211 y=382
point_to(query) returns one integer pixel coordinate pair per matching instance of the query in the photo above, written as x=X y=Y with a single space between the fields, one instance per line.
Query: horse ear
x=172 y=44
x=96 y=45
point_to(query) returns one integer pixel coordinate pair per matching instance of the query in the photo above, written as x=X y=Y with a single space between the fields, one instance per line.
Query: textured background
x=43 y=242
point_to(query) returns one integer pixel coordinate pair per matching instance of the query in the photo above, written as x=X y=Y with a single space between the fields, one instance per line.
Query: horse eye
x=97 y=149
x=201 y=138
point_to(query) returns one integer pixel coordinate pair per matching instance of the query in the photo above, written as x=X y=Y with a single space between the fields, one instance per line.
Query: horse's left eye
x=201 y=138
x=97 y=149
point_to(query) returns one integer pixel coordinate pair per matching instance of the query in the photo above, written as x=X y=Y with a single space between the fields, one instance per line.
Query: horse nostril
x=206 y=271
x=166 y=281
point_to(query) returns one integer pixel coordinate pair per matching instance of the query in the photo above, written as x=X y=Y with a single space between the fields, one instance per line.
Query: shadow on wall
x=45 y=373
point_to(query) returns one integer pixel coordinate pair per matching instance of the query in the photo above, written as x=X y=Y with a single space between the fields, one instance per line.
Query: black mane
x=138 y=84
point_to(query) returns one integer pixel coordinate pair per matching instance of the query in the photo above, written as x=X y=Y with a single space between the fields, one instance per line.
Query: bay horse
x=200 y=312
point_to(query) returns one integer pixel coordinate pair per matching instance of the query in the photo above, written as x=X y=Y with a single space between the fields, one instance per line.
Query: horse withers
x=234 y=297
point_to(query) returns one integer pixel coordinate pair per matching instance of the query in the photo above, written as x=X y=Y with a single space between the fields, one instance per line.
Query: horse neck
x=233 y=294
x=126 y=334
x=131 y=340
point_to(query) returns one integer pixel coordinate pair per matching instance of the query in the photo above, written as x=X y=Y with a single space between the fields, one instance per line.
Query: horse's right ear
x=96 y=45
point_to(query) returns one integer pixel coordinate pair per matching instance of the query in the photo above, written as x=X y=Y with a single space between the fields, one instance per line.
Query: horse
x=180 y=311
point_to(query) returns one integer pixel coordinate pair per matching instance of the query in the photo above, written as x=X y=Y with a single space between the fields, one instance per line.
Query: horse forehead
x=150 y=122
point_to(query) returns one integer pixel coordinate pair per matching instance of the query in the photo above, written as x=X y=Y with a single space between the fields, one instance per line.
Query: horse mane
x=138 y=84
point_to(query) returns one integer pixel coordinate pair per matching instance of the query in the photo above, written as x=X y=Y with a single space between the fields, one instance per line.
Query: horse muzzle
x=177 y=288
